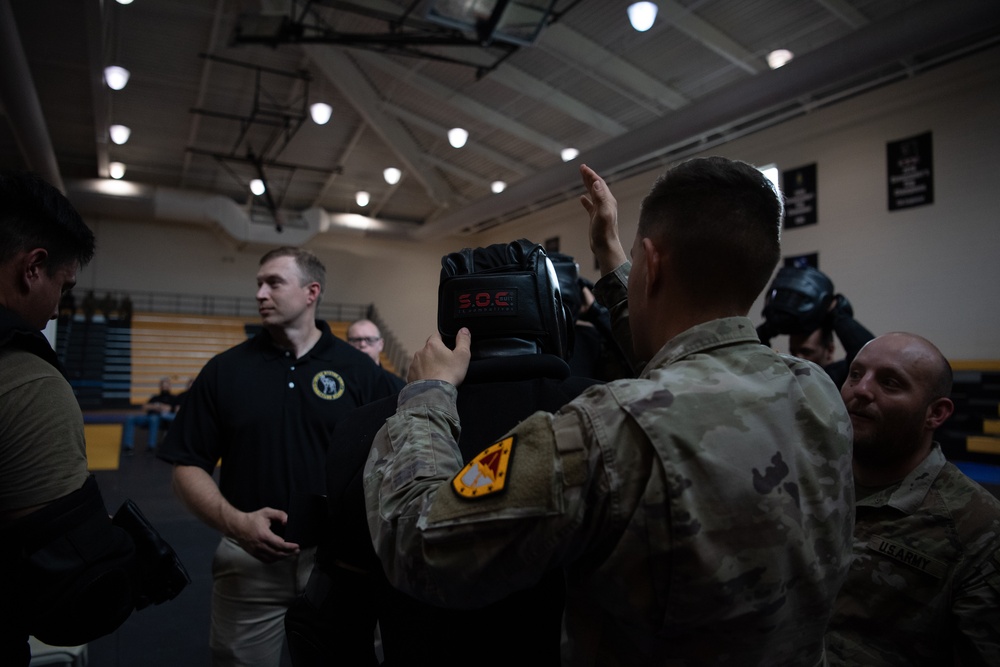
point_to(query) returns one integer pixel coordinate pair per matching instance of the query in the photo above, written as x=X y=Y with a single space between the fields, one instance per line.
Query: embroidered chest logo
x=486 y=473
x=328 y=385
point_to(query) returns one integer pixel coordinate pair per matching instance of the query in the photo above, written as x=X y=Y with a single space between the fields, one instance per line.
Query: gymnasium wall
x=933 y=269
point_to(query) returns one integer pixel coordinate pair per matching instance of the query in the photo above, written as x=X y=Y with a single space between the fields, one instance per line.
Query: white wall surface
x=932 y=270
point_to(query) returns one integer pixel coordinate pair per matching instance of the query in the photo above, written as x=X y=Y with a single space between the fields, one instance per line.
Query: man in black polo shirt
x=267 y=408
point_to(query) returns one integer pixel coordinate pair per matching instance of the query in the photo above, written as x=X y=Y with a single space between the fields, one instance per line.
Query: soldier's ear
x=653 y=259
x=33 y=264
x=938 y=412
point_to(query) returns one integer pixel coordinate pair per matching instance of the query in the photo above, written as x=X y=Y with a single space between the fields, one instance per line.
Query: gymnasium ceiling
x=219 y=90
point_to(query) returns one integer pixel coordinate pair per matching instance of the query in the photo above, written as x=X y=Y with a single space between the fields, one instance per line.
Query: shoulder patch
x=486 y=473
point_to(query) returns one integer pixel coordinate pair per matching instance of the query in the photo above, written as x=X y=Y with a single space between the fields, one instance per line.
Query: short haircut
x=943 y=378
x=720 y=220
x=34 y=214
x=311 y=268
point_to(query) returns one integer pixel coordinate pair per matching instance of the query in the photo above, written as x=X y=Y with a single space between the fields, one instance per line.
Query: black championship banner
x=911 y=172
x=799 y=187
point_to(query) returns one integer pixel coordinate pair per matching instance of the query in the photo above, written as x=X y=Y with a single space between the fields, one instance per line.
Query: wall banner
x=911 y=172
x=799 y=186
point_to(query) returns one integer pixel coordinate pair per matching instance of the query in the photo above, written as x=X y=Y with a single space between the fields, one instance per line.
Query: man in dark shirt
x=267 y=408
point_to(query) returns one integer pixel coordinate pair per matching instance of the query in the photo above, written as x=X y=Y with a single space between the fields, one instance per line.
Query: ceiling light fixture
x=320 y=112
x=568 y=154
x=392 y=175
x=257 y=187
x=362 y=198
x=779 y=57
x=642 y=14
x=497 y=187
x=457 y=137
x=116 y=169
x=124 y=2
x=119 y=134
x=116 y=77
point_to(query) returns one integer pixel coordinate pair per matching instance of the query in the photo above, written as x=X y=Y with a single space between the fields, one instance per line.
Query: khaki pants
x=249 y=600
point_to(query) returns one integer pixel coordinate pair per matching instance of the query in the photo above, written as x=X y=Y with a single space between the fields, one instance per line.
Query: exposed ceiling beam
x=845 y=12
x=929 y=26
x=341 y=159
x=475 y=147
x=467 y=105
x=206 y=70
x=583 y=52
x=708 y=35
x=21 y=105
x=517 y=80
x=341 y=72
x=459 y=172
x=526 y=84
x=95 y=56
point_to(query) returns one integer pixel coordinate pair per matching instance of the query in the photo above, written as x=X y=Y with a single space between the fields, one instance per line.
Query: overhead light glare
x=124 y=2
x=257 y=187
x=457 y=137
x=119 y=134
x=116 y=169
x=642 y=14
x=116 y=77
x=497 y=187
x=320 y=112
x=392 y=175
x=568 y=154
x=779 y=57
x=362 y=198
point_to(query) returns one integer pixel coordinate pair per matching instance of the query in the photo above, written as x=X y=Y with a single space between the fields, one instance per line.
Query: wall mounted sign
x=799 y=186
x=911 y=172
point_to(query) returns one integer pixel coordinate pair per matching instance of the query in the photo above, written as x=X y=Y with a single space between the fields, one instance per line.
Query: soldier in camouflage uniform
x=702 y=511
x=924 y=586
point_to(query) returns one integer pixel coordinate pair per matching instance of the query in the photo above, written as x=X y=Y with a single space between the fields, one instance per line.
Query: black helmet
x=798 y=300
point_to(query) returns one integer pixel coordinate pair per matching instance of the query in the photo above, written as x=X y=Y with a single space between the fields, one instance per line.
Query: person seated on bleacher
x=159 y=409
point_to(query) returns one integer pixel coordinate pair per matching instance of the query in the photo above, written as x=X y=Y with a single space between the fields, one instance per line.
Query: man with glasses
x=365 y=336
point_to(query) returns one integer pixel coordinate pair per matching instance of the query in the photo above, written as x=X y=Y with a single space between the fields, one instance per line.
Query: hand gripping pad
x=508 y=296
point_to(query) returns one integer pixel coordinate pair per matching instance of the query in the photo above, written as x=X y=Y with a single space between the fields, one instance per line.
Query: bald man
x=366 y=337
x=924 y=586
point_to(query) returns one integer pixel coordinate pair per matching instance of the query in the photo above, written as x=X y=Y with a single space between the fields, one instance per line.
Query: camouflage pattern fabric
x=925 y=582
x=703 y=512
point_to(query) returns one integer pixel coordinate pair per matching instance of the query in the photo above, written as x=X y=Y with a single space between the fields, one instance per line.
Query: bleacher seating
x=116 y=364
x=96 y=356
x=972 y=433
x=176 y=346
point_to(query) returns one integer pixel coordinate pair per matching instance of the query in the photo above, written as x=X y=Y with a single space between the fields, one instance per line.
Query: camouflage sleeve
x=611 y=291
x=976 y=608
x=448 y=541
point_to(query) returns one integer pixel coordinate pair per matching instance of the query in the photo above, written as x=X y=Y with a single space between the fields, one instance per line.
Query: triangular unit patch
x=486 y=473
